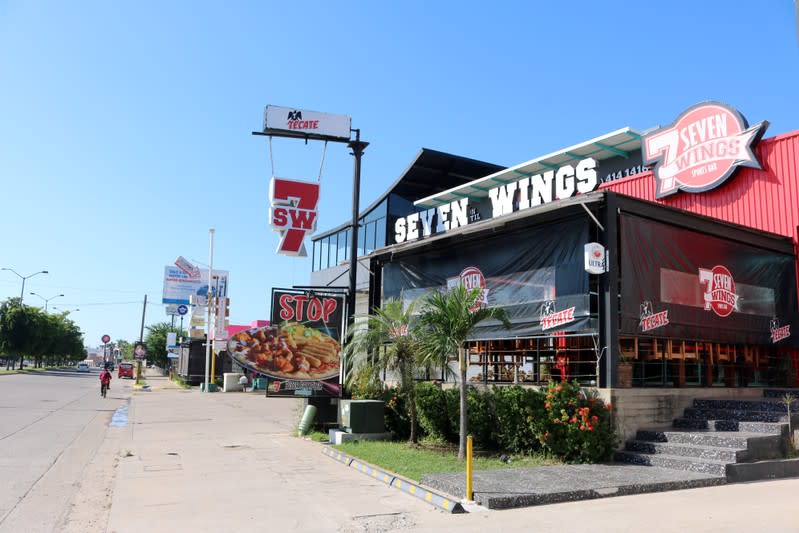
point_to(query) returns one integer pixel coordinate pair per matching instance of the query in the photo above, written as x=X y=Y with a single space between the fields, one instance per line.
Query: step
x=779 y=393
x=675 y=462
x=720 y=439
x=770 y=405
x=727 y=455
x=704 y=413
x=770 y=428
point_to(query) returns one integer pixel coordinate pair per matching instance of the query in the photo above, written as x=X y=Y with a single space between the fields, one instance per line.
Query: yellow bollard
x=469 y=492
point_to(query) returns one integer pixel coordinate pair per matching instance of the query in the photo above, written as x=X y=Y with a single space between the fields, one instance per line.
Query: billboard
x=299 y=353
x=302 y=122
x=179 y=287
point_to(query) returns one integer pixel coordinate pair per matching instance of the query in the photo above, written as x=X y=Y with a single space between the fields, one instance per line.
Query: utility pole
x=141 y=338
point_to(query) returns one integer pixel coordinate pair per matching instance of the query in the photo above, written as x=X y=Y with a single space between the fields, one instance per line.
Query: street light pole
x=22 y=292
x=357 y=147
x=46 y=300
x=208 y=302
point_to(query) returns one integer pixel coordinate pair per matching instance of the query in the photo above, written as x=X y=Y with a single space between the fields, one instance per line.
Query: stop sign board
x=106 y=339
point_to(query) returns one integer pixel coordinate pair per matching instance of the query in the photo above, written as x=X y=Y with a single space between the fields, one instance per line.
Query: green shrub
x=432 y=411
x=576 y=427
x=517 y=410
x=396 y=414
x=366 y=385
x=482 y=419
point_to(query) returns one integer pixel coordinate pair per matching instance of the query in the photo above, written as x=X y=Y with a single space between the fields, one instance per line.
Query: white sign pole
x=208 y=302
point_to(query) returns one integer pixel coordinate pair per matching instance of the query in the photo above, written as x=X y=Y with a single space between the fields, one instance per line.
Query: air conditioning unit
x=362 y=416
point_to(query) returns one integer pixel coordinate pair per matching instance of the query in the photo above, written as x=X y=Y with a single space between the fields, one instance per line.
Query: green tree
x=125 y=349
x=446 y=321
x=156 y=342
x=18 y=336
x=387 y=340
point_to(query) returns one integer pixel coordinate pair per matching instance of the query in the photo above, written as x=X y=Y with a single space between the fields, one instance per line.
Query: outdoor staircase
x=740 y=440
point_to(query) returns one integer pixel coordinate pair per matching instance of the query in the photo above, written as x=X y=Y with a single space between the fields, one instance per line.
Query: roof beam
x=547 y=165
x=575 y=156
x=613 y=150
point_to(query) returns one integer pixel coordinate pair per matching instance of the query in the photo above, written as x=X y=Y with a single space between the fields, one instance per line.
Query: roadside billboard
x=179 y=287
x=299 y=353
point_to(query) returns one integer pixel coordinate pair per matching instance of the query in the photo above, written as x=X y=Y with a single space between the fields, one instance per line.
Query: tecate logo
x=294 y=121
x=719 y=290
x=703 y=148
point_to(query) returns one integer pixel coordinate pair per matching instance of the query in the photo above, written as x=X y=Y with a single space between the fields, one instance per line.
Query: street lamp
x=22 y=292
x=46 y=300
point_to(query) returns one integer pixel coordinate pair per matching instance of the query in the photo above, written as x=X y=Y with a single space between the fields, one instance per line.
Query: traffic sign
x=106 y=339
x=183 y=309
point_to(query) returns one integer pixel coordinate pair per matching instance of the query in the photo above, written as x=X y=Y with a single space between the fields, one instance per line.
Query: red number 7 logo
x=293 y=213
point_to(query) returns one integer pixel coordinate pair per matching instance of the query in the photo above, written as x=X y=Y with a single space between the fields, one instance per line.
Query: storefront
x=687 y=274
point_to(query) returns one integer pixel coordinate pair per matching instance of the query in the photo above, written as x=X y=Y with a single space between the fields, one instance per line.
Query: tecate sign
x=303 y=121
x=701 y=149
x=293 y=213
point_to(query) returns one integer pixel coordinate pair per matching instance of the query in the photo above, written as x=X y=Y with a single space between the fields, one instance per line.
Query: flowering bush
x=576 y=426
x=396 y=414
x=517 y=410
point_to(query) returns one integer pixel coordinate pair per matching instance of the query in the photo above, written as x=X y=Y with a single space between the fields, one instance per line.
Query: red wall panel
x=766 y=199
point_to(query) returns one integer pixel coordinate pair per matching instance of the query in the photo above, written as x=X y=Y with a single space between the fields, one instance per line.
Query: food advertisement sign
x=300 y=352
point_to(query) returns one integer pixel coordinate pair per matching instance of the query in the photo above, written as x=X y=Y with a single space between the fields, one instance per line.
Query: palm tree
x=386 y=338
x=446 y=321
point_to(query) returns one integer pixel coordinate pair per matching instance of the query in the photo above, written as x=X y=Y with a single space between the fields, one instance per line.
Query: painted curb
x=442 y=502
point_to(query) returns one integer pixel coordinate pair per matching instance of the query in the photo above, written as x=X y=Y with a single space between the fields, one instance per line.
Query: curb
x=442 y=502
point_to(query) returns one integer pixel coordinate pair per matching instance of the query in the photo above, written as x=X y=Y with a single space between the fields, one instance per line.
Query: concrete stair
x=739 y=440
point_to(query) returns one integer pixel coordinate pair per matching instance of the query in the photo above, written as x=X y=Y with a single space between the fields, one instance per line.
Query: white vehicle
x=83 y=367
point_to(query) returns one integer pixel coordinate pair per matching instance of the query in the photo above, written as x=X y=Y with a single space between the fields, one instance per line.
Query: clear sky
x=125 y=126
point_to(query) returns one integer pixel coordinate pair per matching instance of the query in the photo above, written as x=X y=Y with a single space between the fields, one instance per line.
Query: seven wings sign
x=293 y=213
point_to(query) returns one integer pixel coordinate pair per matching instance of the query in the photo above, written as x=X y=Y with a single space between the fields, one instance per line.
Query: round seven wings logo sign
x=293 y=213
x=703 y=148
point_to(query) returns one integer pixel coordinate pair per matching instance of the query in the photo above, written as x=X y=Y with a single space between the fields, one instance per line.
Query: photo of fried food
x=292 y=350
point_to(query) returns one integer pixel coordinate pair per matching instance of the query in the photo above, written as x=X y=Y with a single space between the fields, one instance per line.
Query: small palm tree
x=445 y=323
x=386 y=339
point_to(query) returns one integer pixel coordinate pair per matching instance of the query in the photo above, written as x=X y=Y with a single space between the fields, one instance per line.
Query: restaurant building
x=660 y=266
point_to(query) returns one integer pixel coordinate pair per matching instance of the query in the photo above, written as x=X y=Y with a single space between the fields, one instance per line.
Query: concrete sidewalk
x=229 y=461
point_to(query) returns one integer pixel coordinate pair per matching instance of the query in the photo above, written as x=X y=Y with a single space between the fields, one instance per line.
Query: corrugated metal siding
x=765 y=199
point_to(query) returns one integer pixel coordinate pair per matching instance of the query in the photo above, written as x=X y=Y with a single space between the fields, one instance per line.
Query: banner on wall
x=685 y=284
x=538 y=278
x=300 y=352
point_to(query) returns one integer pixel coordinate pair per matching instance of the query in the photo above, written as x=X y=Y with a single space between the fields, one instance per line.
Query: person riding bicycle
x=105 y=381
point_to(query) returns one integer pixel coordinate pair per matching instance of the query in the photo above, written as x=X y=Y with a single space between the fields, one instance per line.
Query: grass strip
x=414 y=461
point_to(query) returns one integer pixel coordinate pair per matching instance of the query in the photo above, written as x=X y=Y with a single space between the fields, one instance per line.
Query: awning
x=617 y=143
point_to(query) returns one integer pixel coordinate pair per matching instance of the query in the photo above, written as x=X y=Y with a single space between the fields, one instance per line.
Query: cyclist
x=105 y=381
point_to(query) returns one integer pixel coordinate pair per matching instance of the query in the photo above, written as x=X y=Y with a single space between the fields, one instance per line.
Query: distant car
x=110 y=366
x=125 y=370
x=83 y=367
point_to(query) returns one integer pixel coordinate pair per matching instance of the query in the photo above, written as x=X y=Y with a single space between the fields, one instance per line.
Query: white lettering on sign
x=523 y=194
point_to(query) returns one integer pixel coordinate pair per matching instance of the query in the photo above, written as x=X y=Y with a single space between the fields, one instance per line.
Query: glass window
x=343 y=240
x=380 y=236
x=316 y=256
x=323 y=255
x=368 y=238
x=334 y=259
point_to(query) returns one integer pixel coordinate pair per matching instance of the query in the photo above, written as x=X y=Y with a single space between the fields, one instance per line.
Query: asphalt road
x=51 y=425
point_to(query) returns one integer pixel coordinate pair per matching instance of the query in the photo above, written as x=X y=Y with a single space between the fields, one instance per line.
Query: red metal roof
x=766 y=199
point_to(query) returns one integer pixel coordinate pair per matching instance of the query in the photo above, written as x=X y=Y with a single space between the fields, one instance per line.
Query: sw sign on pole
x=293 y=213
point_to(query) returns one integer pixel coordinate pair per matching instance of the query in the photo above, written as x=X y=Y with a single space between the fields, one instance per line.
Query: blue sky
x=125 y=127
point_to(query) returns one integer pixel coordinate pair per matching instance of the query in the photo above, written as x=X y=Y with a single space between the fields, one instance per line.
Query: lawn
x=412 y=462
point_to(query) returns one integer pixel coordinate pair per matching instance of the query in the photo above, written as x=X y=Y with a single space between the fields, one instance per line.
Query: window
x=323 y=260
